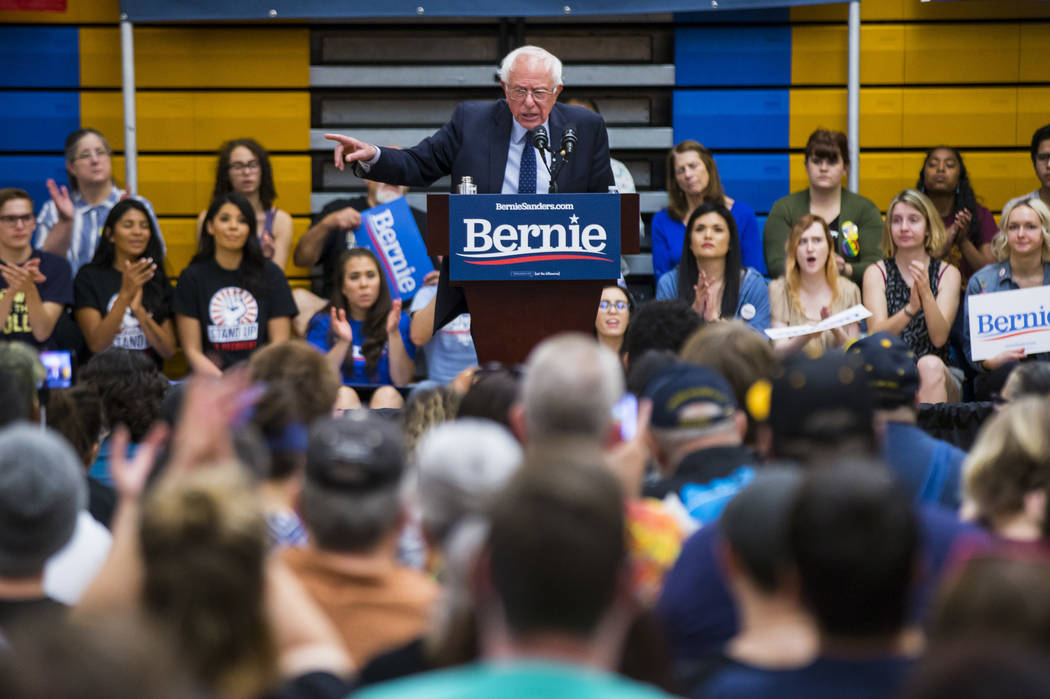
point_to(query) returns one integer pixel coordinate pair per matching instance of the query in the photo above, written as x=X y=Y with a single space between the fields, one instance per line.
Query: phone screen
x=59 y=366
x=625 y=412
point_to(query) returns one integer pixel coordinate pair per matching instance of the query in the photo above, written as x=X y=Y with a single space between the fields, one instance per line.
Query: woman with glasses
x=811 y=289
x=614 y=312
x=692 y=179
x=69 y=224
x=711 y=277
x=855 y=222
x=244 y=168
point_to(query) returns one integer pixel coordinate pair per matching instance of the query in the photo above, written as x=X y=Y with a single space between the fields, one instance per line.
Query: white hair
x=533 y=54
x=460 y=465
x=570 y=385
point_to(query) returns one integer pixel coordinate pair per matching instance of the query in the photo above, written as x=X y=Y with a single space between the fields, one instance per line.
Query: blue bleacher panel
x=733 y=118
x=732 y=55
x=756 y=179
x=30 y=172
x=39 y=56
x=37 y=121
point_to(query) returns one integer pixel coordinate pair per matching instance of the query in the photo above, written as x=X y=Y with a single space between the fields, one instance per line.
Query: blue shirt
x=874 y=678
x=988 y=280
x=317 y=334
x=928 y=468
x=669 y=238
x=450 y=349
x=752 y=305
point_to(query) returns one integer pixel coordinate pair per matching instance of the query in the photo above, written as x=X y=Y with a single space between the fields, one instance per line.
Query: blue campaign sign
x=390 y=231
x=494 y=237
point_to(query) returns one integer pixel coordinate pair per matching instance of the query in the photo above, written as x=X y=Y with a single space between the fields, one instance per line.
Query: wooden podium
x=509 y=318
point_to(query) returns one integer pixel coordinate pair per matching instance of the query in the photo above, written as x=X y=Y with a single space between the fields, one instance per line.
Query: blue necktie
x=527 y=171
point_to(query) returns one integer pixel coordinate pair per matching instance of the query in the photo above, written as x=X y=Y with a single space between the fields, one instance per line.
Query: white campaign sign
x=854 y=314
x=1007 y=320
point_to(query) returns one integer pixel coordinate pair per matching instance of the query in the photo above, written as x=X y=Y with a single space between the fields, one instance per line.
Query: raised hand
x=63 y=201
x=130 y=475
x=341 y=326
x=700 y=294
x=431 y=278
x=345 y=219
x=348 y=149
x=393 y=318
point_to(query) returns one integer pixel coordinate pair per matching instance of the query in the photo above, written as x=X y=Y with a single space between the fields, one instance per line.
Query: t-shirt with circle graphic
x=97 y=286
x=232 y=318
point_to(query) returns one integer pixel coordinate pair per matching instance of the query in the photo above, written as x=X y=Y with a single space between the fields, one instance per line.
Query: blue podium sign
x=499 y=237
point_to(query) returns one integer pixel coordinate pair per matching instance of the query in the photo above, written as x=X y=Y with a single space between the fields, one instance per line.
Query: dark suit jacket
x=474 y=142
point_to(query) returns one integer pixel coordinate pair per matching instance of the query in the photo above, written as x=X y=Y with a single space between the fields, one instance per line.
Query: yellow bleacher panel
x=1035 y=45
x=962 y=117
x=197 y=57
x=181 y=185
x=818 y=54
x=200 y=121
x=1033 y=111
x=798 y=179
x=77 y=12
x=880 y=115
x=883 y=175
x=180 y=236
x=896 y=10
x=999 y=177
x=299 y=226
x=961 y=53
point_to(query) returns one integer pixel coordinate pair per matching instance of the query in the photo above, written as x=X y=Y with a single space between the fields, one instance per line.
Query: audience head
x=911 y=213
x=855 y=541
x=890 y=369
x=691 y=404
x=1039 y=145
x=244 y=167
x=570 y=385
x=658 y=325
x=461 y=466
x=1027 y=379
x=424 y=410
x=298 y=365
x=817 y=408
x=41 y=491
x=997 y=596
x=711 y=234
x=14 y=404
x=359 y=288
x=827 y=158
x=88 y=158
x=614 y=313
x=231 y=204
x=17 y=222
x=130 y=386
x=943 y=172
x=126 y=221
x=492 y=393
x=761 y=554
x=523 y=71
x=22 y=363
x=691 y=172
x=810 y=236
x=1007 y=472
x=352 y=497
x=980 y=670
x=556 y=552
x=204 y=546
x=646 y=367
x=1023 y=226
x=76 y=414
x=280 y=428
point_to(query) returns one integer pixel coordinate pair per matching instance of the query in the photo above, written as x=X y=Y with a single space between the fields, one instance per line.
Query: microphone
x=539 y=138
x=568 y=142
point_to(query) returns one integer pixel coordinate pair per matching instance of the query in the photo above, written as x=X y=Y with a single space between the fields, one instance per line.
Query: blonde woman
x=811 y=289
x=913 y=294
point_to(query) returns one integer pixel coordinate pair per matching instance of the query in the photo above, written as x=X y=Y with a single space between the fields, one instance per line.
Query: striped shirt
x=87 y=225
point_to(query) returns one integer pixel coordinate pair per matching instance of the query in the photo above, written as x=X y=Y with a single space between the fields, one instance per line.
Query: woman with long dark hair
x=244 y=167
x=969 y=227
x=230 y=300
x=711 y=277
x=122 y=297
x=364 y=333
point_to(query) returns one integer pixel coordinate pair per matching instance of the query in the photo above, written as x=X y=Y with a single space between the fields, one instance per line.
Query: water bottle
x=467 y=186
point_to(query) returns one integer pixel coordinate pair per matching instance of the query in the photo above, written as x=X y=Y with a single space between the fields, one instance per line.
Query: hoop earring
x=956 y=189
x=922 y=187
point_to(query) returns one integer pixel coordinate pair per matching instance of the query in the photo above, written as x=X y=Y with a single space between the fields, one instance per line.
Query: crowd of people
x=671 y=503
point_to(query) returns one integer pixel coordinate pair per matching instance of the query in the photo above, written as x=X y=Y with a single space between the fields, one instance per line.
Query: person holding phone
x=34 y=285
x=122 y=297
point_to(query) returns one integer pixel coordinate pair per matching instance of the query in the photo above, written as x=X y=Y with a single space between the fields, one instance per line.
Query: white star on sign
x=574 y=219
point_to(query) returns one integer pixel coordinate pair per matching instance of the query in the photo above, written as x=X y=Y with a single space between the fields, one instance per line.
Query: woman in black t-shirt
x=122 y=297
x=230 y=300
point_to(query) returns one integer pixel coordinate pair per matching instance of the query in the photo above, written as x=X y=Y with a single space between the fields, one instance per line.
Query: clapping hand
x=393 y=318
x=341 y=326
x=700 y=293
x=21 y=277
x=959 y=226
x=136 y=274
x=348 y=149
x=920 y=281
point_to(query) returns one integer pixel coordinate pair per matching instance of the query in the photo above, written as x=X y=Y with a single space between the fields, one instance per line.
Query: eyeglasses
x=620 y=305
x=15 y=220
x=242 y=167
x=99 y=153
x=539 y=95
